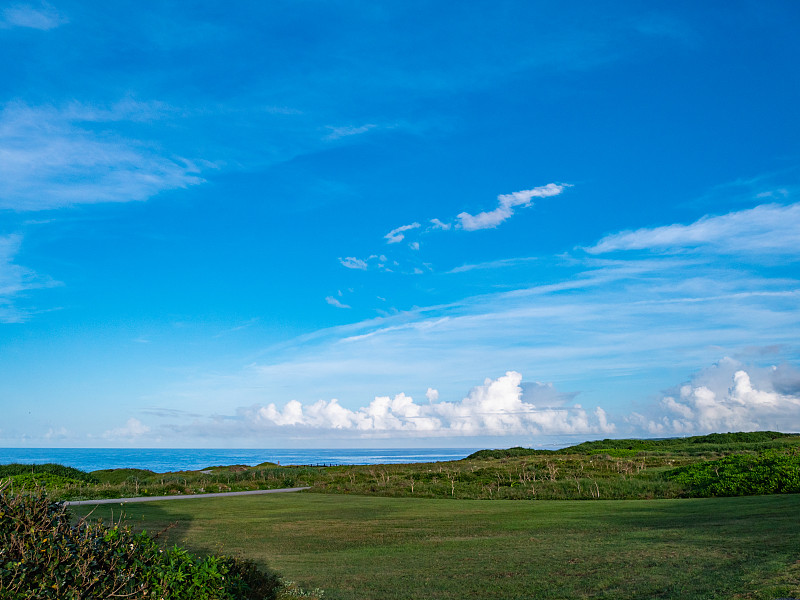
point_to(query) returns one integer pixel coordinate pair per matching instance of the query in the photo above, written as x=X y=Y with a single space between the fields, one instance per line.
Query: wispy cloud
x=51 y=158
x=464 y=221
x=505 y=207
x=494 y=264
x=347 y=131
x=767 y=229
x=437 y=224
x=396 y=235
x=40 y=15
x=379 y=261
x=351 y=262
x=15 y=280
x=335 y=302
x=132 y=429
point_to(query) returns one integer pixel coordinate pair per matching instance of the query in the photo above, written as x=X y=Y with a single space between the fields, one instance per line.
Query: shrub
x=44 y=556
x=17 y=469
x=772 y=472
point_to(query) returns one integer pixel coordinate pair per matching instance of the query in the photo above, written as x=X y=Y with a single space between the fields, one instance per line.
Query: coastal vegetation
x=45 y=554
x=417 y=530
x=730 y=464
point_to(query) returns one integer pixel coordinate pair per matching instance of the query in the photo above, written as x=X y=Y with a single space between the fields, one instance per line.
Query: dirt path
x=181 y=497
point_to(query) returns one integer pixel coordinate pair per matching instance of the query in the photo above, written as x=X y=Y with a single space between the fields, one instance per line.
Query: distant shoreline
x=179 y=459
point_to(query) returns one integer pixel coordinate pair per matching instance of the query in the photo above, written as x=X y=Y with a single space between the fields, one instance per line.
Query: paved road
x=181 y=497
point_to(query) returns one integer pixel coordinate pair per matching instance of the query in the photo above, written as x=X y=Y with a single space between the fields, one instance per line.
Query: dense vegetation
x=772 y=472
x=43 y=554
x=718 y=464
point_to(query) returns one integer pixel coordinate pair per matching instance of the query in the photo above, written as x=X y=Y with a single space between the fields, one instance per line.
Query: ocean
x=165 y=460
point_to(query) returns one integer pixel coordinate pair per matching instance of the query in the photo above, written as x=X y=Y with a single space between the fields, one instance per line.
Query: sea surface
x=166 y=460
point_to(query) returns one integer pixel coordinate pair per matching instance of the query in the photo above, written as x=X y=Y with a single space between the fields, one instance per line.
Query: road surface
x=180 y=497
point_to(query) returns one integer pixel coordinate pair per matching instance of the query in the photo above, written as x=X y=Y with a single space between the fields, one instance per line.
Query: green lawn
x=358 y=547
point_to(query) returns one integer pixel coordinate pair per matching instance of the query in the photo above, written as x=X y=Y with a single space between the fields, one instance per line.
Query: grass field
x=357 y=547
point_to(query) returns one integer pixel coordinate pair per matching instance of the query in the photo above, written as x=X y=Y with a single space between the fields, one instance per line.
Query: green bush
x=772 y=472
x=44 y=556
x=17 y=469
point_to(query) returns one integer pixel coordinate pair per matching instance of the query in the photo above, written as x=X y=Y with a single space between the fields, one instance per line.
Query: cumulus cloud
x=727 y=397
x=396 y=235
x=40 y=15
x=496 y=407
x=132 y=429
x=766 y=229
x=50 y=158
x=505 y=207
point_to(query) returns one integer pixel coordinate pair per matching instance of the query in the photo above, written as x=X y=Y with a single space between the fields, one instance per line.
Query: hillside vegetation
x=728 y=464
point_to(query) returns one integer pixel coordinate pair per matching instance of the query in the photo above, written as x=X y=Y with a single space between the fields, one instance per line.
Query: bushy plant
x=43 y=555
x=772 y=472
x=52 y=469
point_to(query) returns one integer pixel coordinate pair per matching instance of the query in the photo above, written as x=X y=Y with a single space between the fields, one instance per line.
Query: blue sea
x=166 y=460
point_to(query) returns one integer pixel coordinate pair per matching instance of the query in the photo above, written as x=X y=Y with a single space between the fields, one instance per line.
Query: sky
x=377 y=224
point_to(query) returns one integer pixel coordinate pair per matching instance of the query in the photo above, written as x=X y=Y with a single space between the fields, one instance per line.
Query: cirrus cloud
x=766 y=229
x=51 y=158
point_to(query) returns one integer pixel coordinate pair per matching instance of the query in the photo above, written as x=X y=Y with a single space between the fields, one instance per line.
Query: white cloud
x=396 y=235
x=351 y=262
x=340 y=132
x=727 y=397
x=495 y=408
x=467 y=222
x=494 y=264
x=505 y=208
x=15 y=279
x=767 y=229
x=132 y=429
x=40 y=16
x=334 y=302
x=50 y=158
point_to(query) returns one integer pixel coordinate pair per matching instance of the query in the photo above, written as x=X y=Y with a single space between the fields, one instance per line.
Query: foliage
x=713 y=442
x=772 y=472
x=117 y=476
x=43 y=556
x=694 y=445
x=605 y=469
x=68 y=473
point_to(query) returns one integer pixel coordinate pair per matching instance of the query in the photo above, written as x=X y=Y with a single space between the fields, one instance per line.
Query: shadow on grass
x=168 y=524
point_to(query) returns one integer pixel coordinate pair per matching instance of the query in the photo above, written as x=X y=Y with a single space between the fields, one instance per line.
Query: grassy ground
x=359 y=547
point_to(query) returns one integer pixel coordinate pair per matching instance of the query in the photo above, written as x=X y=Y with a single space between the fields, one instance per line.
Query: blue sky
x=322 y=224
